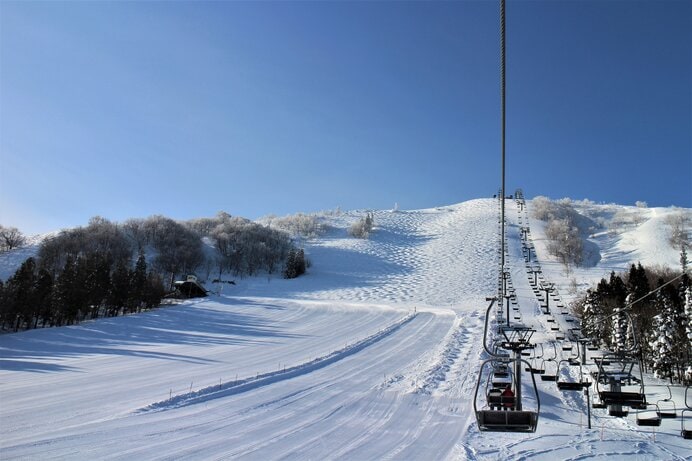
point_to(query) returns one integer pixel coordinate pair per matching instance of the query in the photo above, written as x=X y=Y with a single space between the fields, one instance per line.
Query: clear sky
x=128 y=109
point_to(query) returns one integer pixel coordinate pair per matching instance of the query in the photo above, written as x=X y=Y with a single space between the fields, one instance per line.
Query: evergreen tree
x=683 y=259
x=300 y=262
x=20 y=294
x=138 y=284
x=662 y=342
x=97 y=282
x=290 y=268
x=44 y=298
x=64 y=293
x=637 y=282
x=688 y=313
x=154 y=290
x=619 y=336
x=592 y=316
x=120 y=289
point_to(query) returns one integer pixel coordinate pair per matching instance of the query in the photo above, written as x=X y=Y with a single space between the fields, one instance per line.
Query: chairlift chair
x=596 y=402
x=649 y=417
x=684 y=432
x=615 y=378
x=502 y=415
x=545 y=376
x=566 y=385
x=666 y=407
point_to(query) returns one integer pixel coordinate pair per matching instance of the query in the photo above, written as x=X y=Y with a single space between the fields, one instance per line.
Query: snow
x=374 y=354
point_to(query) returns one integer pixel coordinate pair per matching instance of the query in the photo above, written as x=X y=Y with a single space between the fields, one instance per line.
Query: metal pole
x=586 y=388
x=517 y=374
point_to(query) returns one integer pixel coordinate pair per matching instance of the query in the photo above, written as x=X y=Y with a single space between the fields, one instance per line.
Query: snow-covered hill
x=374 y=354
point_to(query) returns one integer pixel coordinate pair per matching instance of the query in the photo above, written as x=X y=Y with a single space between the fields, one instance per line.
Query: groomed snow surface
x=374 y=354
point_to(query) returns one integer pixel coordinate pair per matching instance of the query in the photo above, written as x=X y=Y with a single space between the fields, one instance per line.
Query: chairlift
x=545 y=376
x=649 y=417
x=621 y=374
x=537 y=370
x=684 y=432
x=566 y=385
x=505 y=414
x=597 y=403
x=666 y=407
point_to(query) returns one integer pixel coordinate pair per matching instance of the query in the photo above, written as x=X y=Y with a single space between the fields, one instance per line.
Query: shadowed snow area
x=374 y=354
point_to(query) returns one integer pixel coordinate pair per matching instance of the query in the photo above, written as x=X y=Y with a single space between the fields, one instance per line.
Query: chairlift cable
x=502 y=116
x=627 y=306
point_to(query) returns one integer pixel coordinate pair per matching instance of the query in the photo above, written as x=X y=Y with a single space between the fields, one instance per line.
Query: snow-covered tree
x=662 y=341
x=619 y=334
x=10 y=238
x=591 y=316
x=688 y=314
x=362 y=227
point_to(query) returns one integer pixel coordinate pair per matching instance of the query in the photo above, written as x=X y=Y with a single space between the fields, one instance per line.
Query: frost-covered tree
x=295 y=264
x=362 y=227
x=592 y=314
x=10 y=238
x=688 y=314
x=619 y=336
x=662 y=342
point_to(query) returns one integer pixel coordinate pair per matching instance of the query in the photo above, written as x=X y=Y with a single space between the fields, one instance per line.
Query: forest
x=657 y=304
x=110 y=269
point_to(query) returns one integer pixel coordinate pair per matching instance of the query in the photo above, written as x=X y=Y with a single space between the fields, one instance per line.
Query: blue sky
x=129 y=109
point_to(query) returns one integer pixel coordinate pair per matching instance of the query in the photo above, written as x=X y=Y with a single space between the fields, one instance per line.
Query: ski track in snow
x=373 y=355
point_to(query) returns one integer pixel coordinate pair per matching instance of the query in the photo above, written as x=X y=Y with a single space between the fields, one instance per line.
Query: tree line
x=86 y=287
x=662 y=321
x=108 y=269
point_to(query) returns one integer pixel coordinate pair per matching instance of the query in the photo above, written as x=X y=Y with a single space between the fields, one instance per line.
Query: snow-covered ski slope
x=372 y=355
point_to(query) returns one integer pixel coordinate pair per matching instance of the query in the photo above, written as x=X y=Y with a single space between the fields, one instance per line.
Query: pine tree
x=3 y=306
x=120 y=289
x=64 y=299
x=138 y=284
x=20 y=293
x=300 y=262
x=688 y=313
x=97 y=282
x=44 y=297
x=154 y=290
x=683 y=259
x=591 y=316
x=290 y=268
x=663 y=342
x=619 y=331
